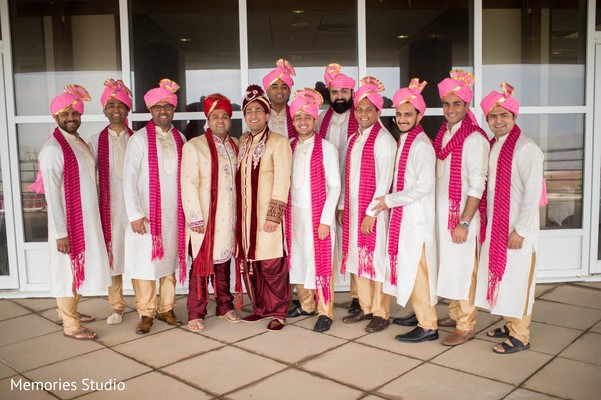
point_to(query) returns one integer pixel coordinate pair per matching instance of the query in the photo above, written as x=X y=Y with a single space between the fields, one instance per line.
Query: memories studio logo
x=86 y=384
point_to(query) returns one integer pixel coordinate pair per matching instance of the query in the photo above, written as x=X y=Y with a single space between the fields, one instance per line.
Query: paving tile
x=37 y=304
x=484 y=319
x=579 y=296
x=523 y=394
x=338 y=329
x=206 y=371
x=372 y=397
x=94 y=306
x=596 y=328
x=313 y=387
x=566 y=315
x=88 y=371
x=594 y=285
x=477 y=357
x=586 y=349
x=181 y=344
x=542 y=288
x=360 y=366
x=567 y=379
x=6 y=371
x=291 y=345
x=26 y=327
x=227 y=332
x=48 y=349
x=435 y=382
x=9 y=309
x=111 y=335
x=14 y=388
x=152 y=385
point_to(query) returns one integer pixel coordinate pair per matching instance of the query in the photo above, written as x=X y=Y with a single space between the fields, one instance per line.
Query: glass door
x=595 y=267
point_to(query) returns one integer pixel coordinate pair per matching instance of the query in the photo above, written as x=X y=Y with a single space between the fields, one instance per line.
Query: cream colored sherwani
x=278 y=122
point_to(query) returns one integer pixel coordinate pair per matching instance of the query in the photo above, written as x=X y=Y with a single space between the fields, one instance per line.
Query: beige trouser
x=520 y=328
x=420 y=296
x=146 y=296
x=464 y=311
x=68 y=309
x=116 y=300
x=307 y=300
x=353 y=290
x=371 y=298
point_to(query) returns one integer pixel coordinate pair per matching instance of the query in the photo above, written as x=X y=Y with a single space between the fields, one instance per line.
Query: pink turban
x=216 y=101
x=411 y=94
x=283 y=70
x=165 y=92
x=334 y=79
x=115 y=90
x=73 y=97
x=460 y=83
x=494 y=99
x=255 y=93
x=370 y=87
x=307 y=100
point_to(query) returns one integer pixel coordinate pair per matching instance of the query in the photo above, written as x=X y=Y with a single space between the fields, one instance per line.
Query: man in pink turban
x=78 y=257
x=310 y=217
x=369 y=166
x=156 y=241
x=278 y=85
x=506 y=277
x=336 y=124
x=411 y=235
x=109 y=150
x=208 y=189
x=462 y=151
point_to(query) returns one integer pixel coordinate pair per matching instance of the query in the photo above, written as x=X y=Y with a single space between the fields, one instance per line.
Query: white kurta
x=384 y=153
x=302 y=249
x=418 y=226
x=119 y=222
x=526 y=188
x=456 y=261
x=138 y=264
x=96 y=260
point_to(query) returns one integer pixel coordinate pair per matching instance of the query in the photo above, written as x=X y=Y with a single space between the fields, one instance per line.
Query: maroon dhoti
x=197 y=309
x=270 y=285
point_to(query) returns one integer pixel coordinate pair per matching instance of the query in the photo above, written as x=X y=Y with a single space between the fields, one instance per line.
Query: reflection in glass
x=598 y=28
x=424 y=39
x=3 y=241
x=541 y=51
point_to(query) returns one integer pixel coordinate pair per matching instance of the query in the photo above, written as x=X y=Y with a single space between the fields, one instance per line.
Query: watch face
x=465 y=224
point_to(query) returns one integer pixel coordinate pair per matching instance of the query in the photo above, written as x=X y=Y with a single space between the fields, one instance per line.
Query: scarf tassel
x=157 y=248
x=323 y=283
x=109 y=251
x=77 y=263
x=493 y=290
x=366 y=262
x=393 y=261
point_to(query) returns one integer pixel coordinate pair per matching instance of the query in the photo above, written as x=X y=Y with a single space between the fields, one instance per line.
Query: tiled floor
x=244 y=361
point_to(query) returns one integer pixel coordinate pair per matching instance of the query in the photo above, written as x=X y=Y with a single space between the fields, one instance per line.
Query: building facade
x=550 y=50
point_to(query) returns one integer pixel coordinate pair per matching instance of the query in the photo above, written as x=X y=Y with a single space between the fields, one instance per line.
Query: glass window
x=598 y=27
x=56 y=43
x=3 y=243
x=424 y=39
x=539 y=49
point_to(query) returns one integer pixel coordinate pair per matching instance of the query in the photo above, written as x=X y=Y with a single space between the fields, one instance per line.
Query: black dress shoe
x=297 y=312
x=418 y=335
x=410 y=320
x=323 y=324
x=355 y=307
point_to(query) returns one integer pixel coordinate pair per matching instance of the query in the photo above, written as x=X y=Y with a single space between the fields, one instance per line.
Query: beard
x=341 y=107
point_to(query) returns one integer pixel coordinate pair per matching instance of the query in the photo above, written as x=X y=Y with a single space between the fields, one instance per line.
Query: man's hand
x=323 y=231
x=460 y=234
x=381 y=206
x=367 y=225
x=340 y=217
x=63 y=245
x=139 y=225
x=198 y=229
x=515 y=241
x=270 y=226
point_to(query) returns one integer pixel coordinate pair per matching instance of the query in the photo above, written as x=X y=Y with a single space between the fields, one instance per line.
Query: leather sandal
x=81 y=333
x=502 y=332
x=231 y=316
x=515 y=346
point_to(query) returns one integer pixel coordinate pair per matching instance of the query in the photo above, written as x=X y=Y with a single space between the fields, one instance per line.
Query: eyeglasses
x=166 y=107
x=258 y=111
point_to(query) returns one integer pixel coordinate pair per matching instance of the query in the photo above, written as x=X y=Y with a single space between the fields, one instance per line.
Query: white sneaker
x=114 y=319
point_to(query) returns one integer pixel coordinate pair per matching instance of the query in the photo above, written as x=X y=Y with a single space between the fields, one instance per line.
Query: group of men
x=299 y=200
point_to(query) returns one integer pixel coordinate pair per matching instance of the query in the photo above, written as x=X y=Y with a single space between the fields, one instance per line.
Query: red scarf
x=455 y=148
x=156 y=225
x=104 y=183
x=499 y=233
x=203 y=265
x=322 y=248
x=367 y=187
x=352 y=125
x=292 y=133
x=396 y=214
x=75 y=227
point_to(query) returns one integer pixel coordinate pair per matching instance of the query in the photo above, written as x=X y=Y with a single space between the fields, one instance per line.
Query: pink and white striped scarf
x=156 y=228
x=499 y=233
x=396 y=214
x=352 y=125
x=104 y=184
x=322 y=248
x=366 y=244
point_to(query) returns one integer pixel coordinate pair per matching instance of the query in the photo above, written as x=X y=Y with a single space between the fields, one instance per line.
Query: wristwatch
x=464 y=224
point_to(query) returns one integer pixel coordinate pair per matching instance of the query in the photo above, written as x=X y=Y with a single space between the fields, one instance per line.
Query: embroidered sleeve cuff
x=194 y=224
x=276 y=211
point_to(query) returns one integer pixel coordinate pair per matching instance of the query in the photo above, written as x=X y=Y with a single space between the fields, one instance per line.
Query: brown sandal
x=231 y=316
x=81 y=333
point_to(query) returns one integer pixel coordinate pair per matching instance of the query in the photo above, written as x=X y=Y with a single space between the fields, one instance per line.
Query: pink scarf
x=455 y=148
x=500 y=219
x=367 y=186
x=156 y=227
x=352 y=126
x=322 y=248
x=104 y=183
x=292 y=133
x=396 y=214
x=75 y=229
